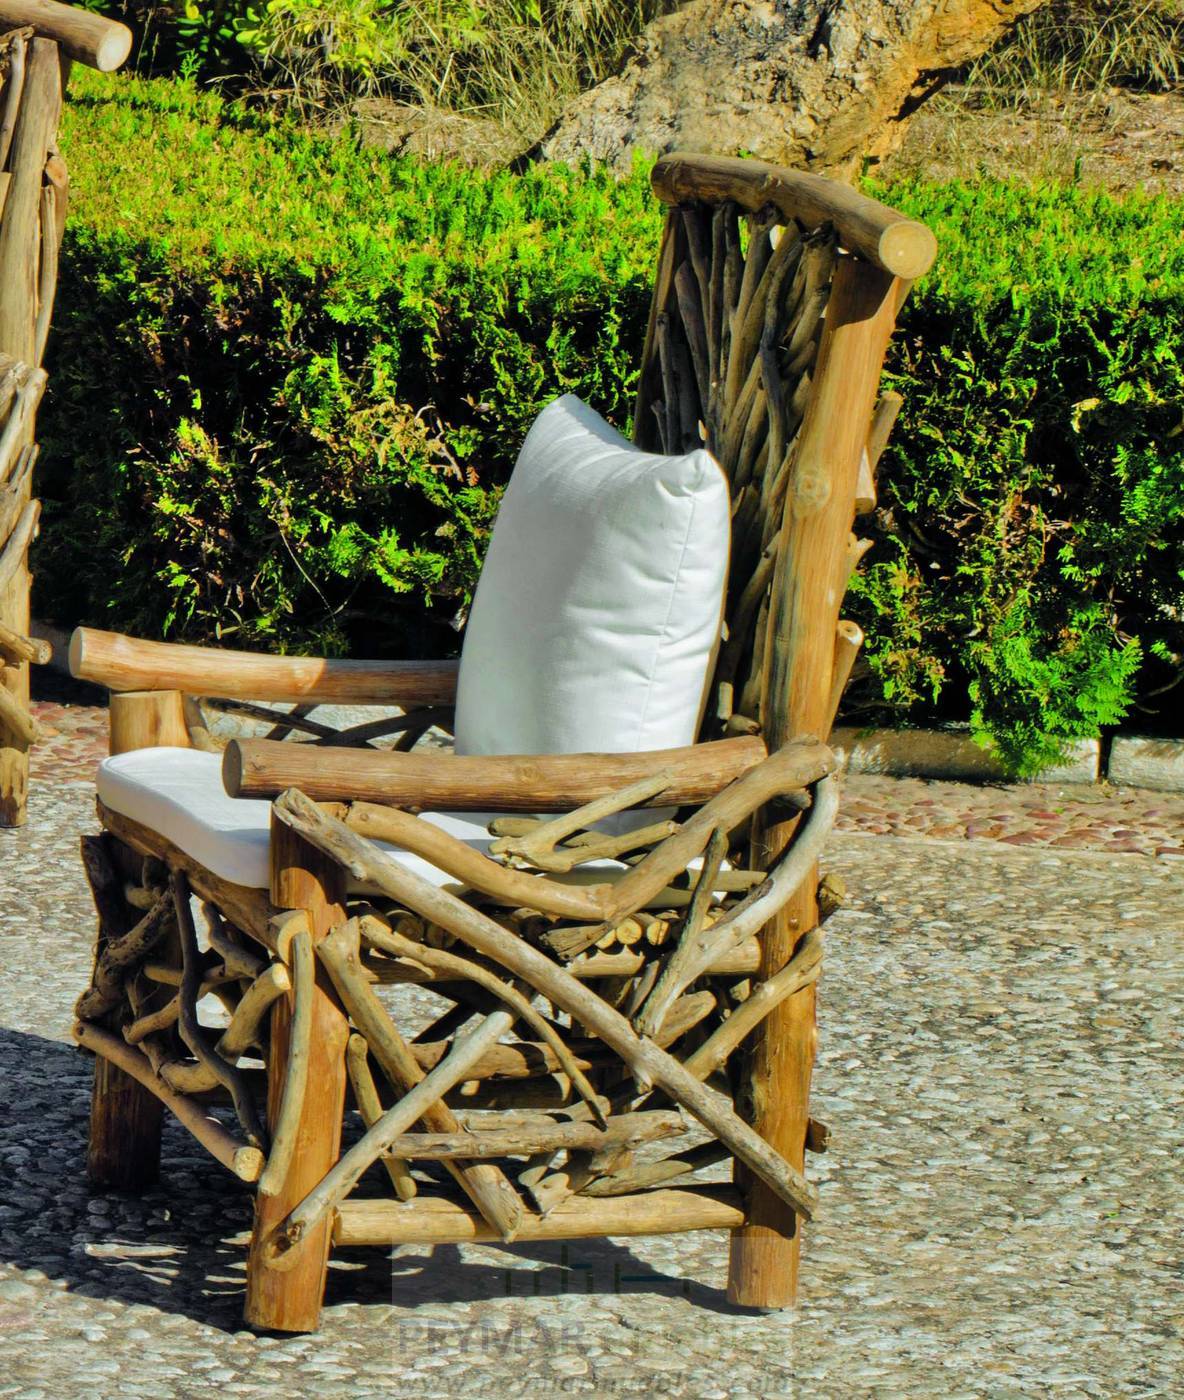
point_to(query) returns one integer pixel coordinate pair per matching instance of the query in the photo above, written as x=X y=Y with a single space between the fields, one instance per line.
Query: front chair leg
x=765 y=1254
x=288 y=1299
x=125 y=1119
x=123 y=1152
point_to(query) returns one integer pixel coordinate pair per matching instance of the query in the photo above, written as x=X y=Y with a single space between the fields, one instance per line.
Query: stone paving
x=1000 y=1063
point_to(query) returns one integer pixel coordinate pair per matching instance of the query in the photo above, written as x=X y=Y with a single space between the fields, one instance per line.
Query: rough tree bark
x=815 y=84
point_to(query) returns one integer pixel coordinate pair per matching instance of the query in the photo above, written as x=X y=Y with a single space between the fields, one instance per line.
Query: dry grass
x=514 y=65
x=1086 y=45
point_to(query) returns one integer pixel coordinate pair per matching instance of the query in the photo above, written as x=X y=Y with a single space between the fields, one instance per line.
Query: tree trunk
x=815 y=84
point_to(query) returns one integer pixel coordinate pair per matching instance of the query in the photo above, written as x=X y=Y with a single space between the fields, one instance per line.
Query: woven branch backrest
x=735 y=341
x=729 y=363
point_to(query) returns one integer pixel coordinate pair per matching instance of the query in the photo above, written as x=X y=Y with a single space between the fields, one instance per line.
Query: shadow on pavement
x=171 y=1247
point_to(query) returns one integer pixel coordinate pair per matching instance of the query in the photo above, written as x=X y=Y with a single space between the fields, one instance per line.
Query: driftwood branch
x=192 y=1032
x=236 y=958
x=245 y=1028
x=485 y=1185
x=287 y=1122
x=650 y=1174
x=120 y=956
x=340 y=1180
x=15 y=647
x=357 y=1059
x=795 y=766
x=465 y=969
x=244 y=1161
x=16 y=721
x=802 y=970
x=622 y=1131
x=474 y=870
x=688 y=956
x=248 y=1022
x=434 y=1221
x=12 y=556
x=848 y=640
x=643 y=1059
x=541 y=839
x=792 y=868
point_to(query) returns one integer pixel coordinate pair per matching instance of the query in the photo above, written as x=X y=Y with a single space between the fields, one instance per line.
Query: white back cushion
x=597 y=613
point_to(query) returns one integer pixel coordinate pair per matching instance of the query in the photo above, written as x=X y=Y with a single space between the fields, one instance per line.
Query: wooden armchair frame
x=674 y=984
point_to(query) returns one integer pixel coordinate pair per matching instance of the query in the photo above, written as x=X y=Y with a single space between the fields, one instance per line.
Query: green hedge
x=1031 y=560
x=289 y=378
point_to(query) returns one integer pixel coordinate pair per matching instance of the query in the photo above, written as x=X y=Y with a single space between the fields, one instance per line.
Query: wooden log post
x=289 y=1299
x=147 y=719
x=34 y=192
x=123 y=1151
x=38 y=107
x=808 y=589
x=125 y=1117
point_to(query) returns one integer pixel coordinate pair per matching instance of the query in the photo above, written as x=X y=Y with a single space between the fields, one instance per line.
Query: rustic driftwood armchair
x=639 y=909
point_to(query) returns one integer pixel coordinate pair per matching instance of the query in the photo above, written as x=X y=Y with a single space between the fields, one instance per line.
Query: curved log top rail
x=885 y=238
x=126 y=663
x=92 y=39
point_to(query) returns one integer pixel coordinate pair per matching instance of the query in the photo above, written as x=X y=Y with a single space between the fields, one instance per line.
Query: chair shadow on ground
x=173 y=1247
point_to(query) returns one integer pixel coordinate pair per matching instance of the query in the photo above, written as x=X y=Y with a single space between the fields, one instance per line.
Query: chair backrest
x=775 y=297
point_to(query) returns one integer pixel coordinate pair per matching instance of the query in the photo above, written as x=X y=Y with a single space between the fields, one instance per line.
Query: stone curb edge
x=1132 y=761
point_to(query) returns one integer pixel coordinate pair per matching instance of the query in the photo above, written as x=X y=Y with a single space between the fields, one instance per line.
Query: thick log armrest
x=508 y=783
x=126 y=663
x=754 y=780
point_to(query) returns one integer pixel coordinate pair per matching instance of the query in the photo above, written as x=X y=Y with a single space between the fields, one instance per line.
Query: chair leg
x=288 y=1299
x=765 y=1252
x=125 y=1126
x=123 y=1153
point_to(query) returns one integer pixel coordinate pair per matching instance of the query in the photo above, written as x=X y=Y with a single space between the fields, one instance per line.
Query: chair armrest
x=126 y=663
x=506 y=783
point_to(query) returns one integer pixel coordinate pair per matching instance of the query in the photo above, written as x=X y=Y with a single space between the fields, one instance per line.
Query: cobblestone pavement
x=1000 y=1063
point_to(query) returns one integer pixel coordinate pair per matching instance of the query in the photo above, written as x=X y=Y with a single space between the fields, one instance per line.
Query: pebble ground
x=1000 y=1063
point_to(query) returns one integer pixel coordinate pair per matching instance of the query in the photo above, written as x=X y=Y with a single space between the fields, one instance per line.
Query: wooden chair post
x=288 y=1298
x=125 y=1118
x=30 y=231
x=39 y=39
x=800 y=657
x=146 y=719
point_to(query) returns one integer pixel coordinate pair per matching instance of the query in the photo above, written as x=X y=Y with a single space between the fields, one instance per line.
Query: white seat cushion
x=178 y=793
x=598 y=609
